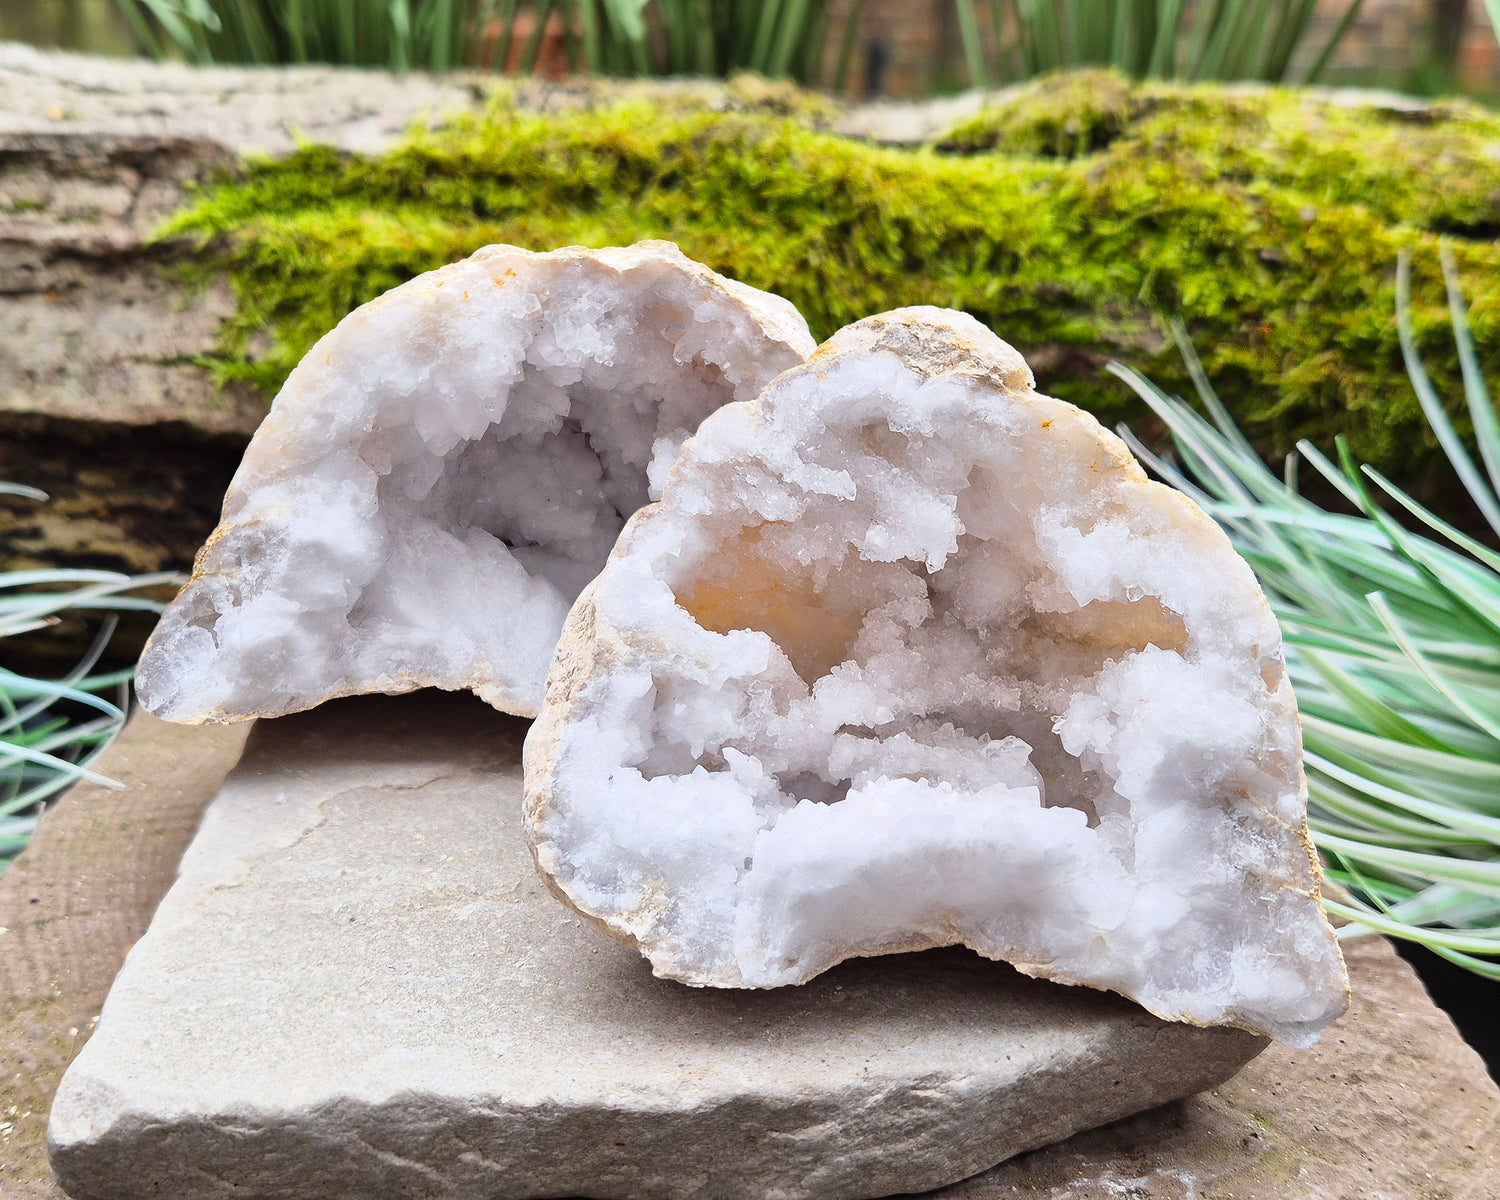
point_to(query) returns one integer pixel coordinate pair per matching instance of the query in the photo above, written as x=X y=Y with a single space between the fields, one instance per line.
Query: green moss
x=1434 y=165
x=1276 y=241
x=1058 y=116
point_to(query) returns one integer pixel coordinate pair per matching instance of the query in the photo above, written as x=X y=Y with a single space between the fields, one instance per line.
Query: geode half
x=909 y=655
x=443 y=473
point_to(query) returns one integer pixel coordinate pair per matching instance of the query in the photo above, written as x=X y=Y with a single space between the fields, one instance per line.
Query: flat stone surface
x=1392 y=1104
x=359 y=987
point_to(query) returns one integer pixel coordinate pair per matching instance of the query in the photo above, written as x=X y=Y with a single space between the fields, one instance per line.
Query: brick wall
x=1392 y=43
x=1401 y=43
x=902 y=47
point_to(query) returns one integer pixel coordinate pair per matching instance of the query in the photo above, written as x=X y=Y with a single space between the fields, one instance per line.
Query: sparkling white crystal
x=444 y=472
x=909 y=655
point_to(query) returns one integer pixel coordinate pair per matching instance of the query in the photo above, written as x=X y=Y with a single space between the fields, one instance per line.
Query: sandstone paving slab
x=360 y=987
x=1392 y=1104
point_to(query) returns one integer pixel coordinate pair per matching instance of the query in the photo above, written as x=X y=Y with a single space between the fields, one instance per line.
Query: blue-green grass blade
x=35 y=605
x=1442 y=902
x=1476 y=391
x=1162 y=468
x=47 y=692
x=11 y=751
x=1389 y=892
x=1208 y=397
x=1330 y=800
x=1325 y=468
x=1479 y=966
x=1451 y=816
x=1478 y=875
x=1485 y=941
x=1344 y=821
x=1197 y=441
x=1378 y=718
x=1441 y=766
x=1486 y=719
x=1426 y=708
x=18 y=579
x=1432 y=406
x=1429 y=518
x=1479 y=796
x=38 y=794
x=1465 y=581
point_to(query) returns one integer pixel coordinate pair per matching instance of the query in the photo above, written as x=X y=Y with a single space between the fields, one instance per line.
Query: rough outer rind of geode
x=909 y=655
x=443 y=473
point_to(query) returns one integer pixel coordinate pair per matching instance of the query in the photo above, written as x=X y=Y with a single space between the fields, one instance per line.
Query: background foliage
x=782 y=38
x=1165 y=39
x=808 y=40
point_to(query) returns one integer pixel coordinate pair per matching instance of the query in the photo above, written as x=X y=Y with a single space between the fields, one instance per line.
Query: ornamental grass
x=51 y=729
x=1392 y=636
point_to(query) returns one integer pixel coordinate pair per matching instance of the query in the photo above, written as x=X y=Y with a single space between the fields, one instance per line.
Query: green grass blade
x=1478 y=942
x=1432 y=406
x=1489 y=721
x=1476 y=391
x=973 y=44
x=1477 y=875
x=1320 y=61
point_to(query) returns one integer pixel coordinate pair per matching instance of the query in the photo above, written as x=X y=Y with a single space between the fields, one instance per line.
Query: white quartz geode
x=909 y=655
x=444 y=471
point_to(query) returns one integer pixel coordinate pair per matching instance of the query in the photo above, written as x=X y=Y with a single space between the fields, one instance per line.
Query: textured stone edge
x=611 y=1151
x=75 y=901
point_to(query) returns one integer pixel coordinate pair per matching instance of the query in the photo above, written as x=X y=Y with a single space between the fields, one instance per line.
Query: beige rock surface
x=94 y=154
x=402 y=1008
x=1392 y=1104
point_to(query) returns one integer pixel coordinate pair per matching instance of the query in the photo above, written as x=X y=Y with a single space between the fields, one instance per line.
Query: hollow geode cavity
x=909 y=655
x=443 y=473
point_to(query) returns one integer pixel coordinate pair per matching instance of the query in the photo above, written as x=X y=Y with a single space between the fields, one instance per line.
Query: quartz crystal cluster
x=904 y=655
x=909 y=655
x=444 y=472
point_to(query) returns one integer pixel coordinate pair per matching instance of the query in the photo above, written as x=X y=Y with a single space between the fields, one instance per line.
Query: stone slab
x=1393 y=1104
x=359 y=987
